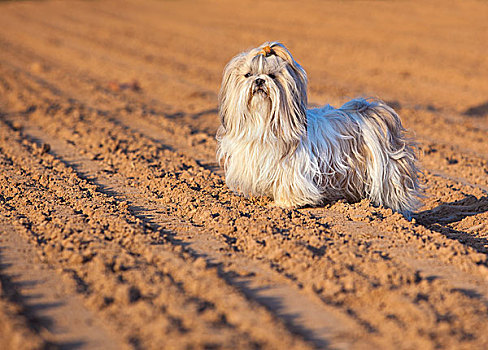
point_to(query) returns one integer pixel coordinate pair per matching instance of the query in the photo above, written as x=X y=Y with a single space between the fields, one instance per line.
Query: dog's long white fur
x=270 y=144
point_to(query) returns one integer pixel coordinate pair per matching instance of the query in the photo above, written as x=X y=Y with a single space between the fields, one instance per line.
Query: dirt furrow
x=56 y=315
x=125 y=66
x=16 y=327
x=304 y=318
x=315 y=322
x=95 y=125
x=165 y=297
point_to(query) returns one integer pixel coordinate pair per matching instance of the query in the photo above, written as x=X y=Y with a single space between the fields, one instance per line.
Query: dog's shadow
x=440 y=218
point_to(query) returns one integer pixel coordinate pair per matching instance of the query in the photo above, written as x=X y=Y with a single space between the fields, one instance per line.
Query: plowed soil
x=117 y=229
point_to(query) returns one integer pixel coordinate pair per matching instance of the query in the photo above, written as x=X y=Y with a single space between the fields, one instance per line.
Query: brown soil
x=117 y=229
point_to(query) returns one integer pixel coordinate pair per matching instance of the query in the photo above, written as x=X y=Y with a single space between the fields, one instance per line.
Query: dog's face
x=264 y=87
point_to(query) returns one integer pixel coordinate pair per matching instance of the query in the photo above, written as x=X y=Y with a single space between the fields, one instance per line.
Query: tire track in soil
x=112 y=128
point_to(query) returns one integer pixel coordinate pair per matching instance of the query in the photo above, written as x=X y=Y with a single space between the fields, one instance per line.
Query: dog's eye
x=271 y=75
x=247 y=75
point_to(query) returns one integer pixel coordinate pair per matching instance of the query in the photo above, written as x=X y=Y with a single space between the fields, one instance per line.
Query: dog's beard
x=260 y=106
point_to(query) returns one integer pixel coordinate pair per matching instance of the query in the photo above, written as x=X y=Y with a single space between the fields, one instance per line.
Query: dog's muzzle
x=259 y=87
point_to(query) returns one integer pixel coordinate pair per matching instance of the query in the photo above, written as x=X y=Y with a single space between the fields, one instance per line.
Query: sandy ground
x=117 y=229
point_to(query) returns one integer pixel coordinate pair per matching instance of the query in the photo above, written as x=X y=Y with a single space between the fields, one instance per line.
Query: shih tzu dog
x=270 y=144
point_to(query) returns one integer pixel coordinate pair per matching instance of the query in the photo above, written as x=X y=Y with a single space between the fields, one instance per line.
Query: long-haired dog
x=270 y=144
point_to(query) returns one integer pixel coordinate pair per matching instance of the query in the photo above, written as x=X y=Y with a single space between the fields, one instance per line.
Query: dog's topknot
x=267 y=51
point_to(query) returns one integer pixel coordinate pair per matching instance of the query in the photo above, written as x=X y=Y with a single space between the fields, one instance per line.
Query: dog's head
x=264 y=87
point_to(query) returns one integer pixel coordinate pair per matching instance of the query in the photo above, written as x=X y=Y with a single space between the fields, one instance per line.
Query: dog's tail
x=391 y=167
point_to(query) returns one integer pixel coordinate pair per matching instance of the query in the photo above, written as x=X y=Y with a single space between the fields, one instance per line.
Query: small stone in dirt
x=45 y=148
x=36 y=67
x=113 y=86
x=127 y=294
x=451 y=160
x=134 y=294
x=261 y=242
x=16 y=126
x=116 y=86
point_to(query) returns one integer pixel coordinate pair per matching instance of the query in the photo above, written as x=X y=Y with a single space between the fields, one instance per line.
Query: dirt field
x=117 y=229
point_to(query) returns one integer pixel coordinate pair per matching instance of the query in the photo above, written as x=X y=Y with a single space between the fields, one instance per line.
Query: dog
x=270 y=144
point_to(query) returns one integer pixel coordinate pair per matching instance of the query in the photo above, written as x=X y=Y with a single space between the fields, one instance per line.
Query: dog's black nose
x=259 y=82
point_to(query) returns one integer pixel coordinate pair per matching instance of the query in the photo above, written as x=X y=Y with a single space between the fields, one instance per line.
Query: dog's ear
x=288 y=115
x=289 y=120
x=229 y=98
